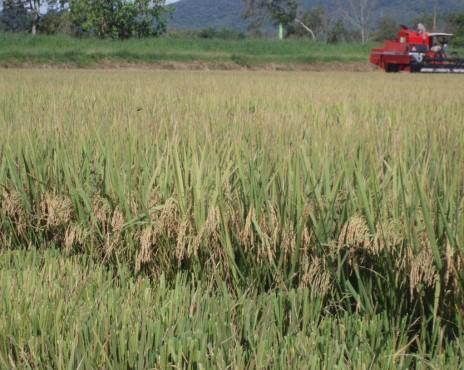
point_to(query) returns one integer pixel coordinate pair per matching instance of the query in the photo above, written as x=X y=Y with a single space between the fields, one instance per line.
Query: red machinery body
x=417 y=51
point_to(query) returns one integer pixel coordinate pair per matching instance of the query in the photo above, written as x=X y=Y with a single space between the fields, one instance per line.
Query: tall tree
x=279 y=12
x=255 y=14
x=13 y=17
x=119 y=18
x=387 y=28
x=33 y=9
x=359 y=14
x=435 y=15
x=456 y=24
x=316 y=20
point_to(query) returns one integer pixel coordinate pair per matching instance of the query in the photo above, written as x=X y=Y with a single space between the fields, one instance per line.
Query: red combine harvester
x=417 y=51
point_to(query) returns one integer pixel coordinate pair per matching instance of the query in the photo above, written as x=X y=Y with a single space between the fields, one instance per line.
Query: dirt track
x=205 y=66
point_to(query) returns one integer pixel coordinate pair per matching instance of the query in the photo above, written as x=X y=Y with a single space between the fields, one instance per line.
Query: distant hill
x=195 y=14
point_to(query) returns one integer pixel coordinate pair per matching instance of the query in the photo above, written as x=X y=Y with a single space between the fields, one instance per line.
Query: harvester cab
x=439 y=42
x=417 y=51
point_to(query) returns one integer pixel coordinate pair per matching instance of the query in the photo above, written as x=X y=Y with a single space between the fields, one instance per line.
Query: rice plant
x=345 y=187
x=73 y=313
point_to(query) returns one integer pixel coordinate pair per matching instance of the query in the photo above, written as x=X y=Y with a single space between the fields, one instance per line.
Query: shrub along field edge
x=184 y=53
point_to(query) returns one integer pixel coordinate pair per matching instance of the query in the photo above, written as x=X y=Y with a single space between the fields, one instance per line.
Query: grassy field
x=27 y=50
x=23 y=49
x=242 y=219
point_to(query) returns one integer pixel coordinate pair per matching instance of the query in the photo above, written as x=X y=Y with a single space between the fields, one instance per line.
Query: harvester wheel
x=393 y=68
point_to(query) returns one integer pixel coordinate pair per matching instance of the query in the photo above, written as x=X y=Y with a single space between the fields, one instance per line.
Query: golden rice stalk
x=387 y=237
x=270 y=225
x=108 y=246
x=422 y=267
x=117 y=221
x=69 y=238
x=56 y=210
x=316 y=275
x=308 y=210
x=182 y=237
x=235 y=222
x=11 y=205
x=288 y=241
x=355 y=236
x=154 y=200
x=227 y=189
x=212 y=222
x=134 y=205
x=264 y=251
x=5 y=239
x=168 y=221
x=307 y=239
x=247 y=236
x=146 y=243
x=208 y=232
x=113 y=236
x=449 y=258
x=74 y=234
x=454 y=266
x=102 y=211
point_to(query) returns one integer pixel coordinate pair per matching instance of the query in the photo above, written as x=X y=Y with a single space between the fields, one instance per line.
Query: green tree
x=338 y=33
x=315 y=19
x=14 y=17
x=282 y=11
x=56 y=21
x=360 y=15
x=279 y=12
x=387 y=29
x=456 y=25
x=33 y=8
x=119 y=18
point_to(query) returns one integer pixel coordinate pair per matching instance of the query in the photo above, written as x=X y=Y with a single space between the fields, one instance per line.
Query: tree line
x=102 y=18
x=347 y=20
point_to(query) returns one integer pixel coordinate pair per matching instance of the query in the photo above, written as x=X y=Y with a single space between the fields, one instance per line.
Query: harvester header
x=417 y=51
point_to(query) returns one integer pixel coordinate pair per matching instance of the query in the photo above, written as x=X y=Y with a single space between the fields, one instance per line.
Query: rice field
x=157 y=219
